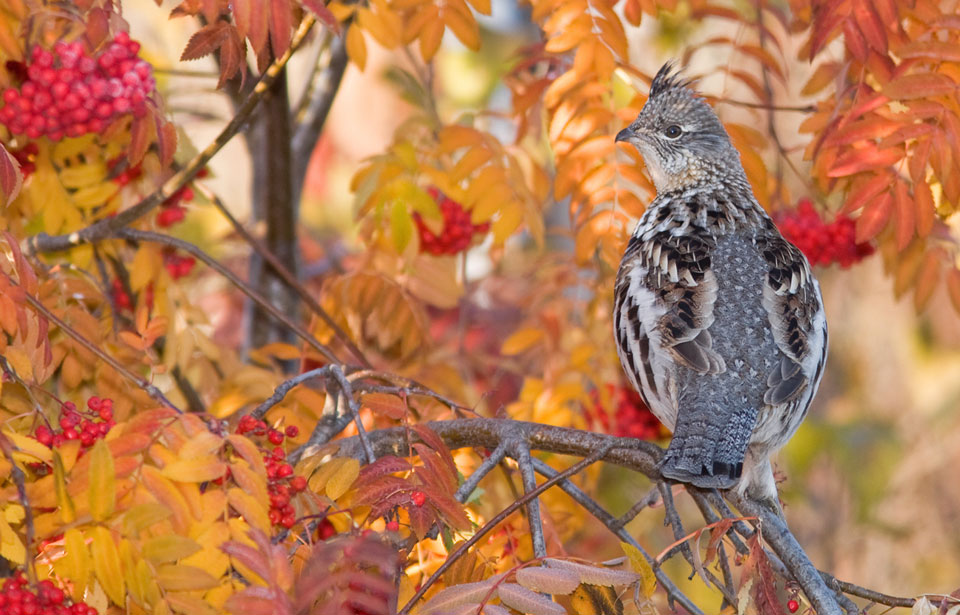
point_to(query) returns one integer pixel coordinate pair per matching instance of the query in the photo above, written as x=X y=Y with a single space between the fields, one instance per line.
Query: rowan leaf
x=548 y=580
x=326 y=17
x=522 y=340
x=101 y=493
x=640 y=565
x=170 y=548
x=527 y=601
x=195 y=470
x=206 y=40
x=596 y=600
x=874 y=218
x=919 y=85
x=593 y=575
x=11 y=179
x=106 y=564
x=177 y=577
x=340 y=481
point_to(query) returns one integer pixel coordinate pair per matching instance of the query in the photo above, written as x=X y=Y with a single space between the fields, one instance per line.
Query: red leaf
x=439 y=473
x=926 y=210
x=765 y=586
x=211 y=10
x=206 y=40
x=166 y=140
x=908 y=132
x=11 y=179
x=326 y=17
x=854 y=40
x=258 y=28
x=388 y=464
x=253 y=559
x=931 y=50
x=431 y=439
x=141 y=134
x=281 y=22
x=864 y=159
x=869 y=23
x=828 y=16
x=242 y=12
x=865 y=192
x=921 y=85
x=904 y=215
x=874 y=218
x=233 y=58
x=451 y=510
x=873 y=127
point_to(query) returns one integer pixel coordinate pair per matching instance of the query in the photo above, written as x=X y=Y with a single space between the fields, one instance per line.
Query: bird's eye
x=673 y=131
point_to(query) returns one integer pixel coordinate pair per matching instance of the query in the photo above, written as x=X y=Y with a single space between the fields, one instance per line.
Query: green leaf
x=401 y=225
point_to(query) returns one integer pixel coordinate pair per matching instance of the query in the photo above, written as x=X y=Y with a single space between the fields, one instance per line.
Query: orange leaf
x=864 y=159
x=388 y=405
x=926 y=210
x=931 y=50
x=865 y=192
x=904 y=215
x=196 y=470
x=927 y=279
x=356 y=46
x=521 y=340
x=874 y=218
x=869 y=23
x=923 y=85
x=206 y=40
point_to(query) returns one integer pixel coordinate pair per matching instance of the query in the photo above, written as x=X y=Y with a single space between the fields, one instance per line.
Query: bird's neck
x=718 y=204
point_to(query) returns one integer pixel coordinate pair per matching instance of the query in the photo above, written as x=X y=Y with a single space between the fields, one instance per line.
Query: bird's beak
x=625 y=135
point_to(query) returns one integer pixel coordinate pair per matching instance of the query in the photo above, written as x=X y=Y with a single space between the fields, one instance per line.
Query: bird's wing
x=792 y=300
x=672 y=273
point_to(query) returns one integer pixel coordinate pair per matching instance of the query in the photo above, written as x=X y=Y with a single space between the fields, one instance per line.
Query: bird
x=718 y=319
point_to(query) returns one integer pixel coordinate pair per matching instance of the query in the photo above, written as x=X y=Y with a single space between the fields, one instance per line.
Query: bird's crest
x=669 y=78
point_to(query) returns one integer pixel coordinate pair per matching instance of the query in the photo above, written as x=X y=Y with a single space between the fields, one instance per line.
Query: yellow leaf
x=167 y=494
x=640 y=565
x=318 y=481
x=249 y=452
x=29 y=446
x=401 y=225
x=356 y=46
x=511 y=217
x=143 y=516
x=197 y=470
x=521 y=340
x=279 y=350
x=96 y=195
x=464 y=27
x=202 y=444
x=170 y=548
x=248 y=480
x=75 y=563
x=11 y=547
x=148 y=582
x=596 y=600
x=106 y=564
x=343 y=478
x=252 y=510
x=102 y=490
x=184 y=578
x=189 y=605
x=210 y=557
x=228 y=403
x=145 y=266
x=68 y=512
x=20 y=362
x=83 y=175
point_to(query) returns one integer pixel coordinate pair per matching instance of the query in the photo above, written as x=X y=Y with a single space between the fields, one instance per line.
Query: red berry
x=284 y=470
x=298 y=483
x=792 y=606
x=418 y=498
x=393 y=525
x=325 y=529
x=275 y=437
x=291 y=431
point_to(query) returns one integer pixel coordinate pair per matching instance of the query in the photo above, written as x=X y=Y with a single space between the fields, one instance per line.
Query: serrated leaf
x=106 y=564
x=250 y=508
x=456 y=595
x=922 y=85
x=548 y=580
x=170 y=548
x=527 y=601
x=65 y=504
x=196 y=470
x=593 y=575
x=341 y=480
x=385 y=404
x=206 y=40
x=640 y=565
x=322 y=13
x=596 y=600
x=401 y=225
x=101 y=493
x=177 y=577
x=75 y=565
x=11 y=547
x=11 y=179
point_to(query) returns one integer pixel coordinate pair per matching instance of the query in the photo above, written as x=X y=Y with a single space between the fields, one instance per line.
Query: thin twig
x=521 y=453
x=466 y=489
x=150 y=389
x=284 y=274
x=186 y=246
x=354 y=411
x=285 y=387
x=652 y=497
x=492 y=523
x=107 y=227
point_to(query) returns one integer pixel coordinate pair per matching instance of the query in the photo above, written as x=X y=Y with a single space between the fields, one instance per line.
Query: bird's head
x=680 y=137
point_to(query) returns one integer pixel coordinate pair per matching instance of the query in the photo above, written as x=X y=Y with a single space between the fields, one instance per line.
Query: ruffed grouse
x=718 y=319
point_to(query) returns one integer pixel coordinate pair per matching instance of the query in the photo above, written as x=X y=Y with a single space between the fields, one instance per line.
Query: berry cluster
x=87 y=426
x=458 y=230
x=823 y=243
x=125 y=176
x=178 y=266
x=632 y=418
x=172 y=211
x=281 y=483
x=67 y=92
x=17 y=598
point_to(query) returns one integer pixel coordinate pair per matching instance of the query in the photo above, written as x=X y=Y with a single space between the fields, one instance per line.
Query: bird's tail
x=708 y=446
